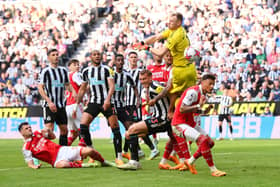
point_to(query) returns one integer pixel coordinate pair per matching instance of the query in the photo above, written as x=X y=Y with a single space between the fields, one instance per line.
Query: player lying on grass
x=39 y=145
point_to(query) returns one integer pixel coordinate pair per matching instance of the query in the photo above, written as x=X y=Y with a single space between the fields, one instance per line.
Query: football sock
x=230 y=129
x=191 y=160
x=63 y=140
x=221 y=129
x=85 y=134
x=163 y=161
x=96 y=156
x=148 y=141
x=173 y=153
x=126 y=146
x=117 y=140
x=133 y=146
x=203 y=143
x=70 y=140
x=168 y=149
x=213 y=168
x=182 y=147
x=75 y=165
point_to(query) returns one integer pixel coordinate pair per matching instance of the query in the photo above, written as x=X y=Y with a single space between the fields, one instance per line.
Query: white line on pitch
x=5 y=169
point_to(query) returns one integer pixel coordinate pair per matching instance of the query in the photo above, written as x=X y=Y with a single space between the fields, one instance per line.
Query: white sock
x=173 y=153
x=182 y=160
x=163 y=161
x=213 y=168
x=119 y=156
x=191 y=160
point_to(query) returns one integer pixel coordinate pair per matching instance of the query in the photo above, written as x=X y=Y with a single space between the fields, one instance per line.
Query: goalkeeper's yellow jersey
x=177 y=42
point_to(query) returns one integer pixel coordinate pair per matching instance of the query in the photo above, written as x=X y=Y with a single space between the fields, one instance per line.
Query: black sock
x=126 y=145
x=84 y=132
x=148 y=141
x=230 y=129
x=63 y=140
x=133 y=146
x=220 y=129
x=117 y=140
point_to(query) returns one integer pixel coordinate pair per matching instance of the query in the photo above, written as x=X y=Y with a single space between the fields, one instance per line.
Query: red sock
x=82 y=143
x=75 y=165
x=96 y=156
x=177 y=149
x=205 y=150
x=183 y=146
x=168 y=149
x=197 y=154
x=70 y=140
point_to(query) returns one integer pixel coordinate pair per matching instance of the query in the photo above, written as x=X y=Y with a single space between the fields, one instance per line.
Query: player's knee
x=202 y=140
x=62 y=164
x=211 y=143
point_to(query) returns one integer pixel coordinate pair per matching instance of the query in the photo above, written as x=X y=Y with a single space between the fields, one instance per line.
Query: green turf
x=247 y=162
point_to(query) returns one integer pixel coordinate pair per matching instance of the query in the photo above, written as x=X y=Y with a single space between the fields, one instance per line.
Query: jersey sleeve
x=66 y=75
x=85 y=75
x=77 y=78
x=27 y=155
x=130 y=80
x=190 y=97
x=42 y=77
x=173 y=40
x=165 y=33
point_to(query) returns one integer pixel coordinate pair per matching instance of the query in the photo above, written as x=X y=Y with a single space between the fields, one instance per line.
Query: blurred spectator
x=266 y=112
x=275 y=92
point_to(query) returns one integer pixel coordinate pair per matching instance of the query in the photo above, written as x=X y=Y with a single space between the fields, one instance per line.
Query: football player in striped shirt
x=224 y=113
x=122 y=79
x=100 y=79
x=53 y=82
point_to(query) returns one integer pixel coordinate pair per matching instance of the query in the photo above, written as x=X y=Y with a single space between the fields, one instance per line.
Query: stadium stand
x=239 y=41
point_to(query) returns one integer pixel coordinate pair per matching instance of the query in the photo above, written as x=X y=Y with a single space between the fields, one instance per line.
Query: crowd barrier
x=243 y=127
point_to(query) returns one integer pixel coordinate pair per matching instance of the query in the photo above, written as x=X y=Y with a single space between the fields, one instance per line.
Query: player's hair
x=21 y=125
x=120 y=55
x=178 y=15
x=132 y=52
x=51 y=50
x=209 y=76
x=72 y=61
x=147 y=72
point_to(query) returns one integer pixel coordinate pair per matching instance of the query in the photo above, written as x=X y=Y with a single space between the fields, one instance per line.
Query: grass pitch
x=247 y=163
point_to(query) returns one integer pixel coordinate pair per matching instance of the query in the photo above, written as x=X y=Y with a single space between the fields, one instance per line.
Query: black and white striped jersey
x=54 y=80
x=160 y=109
x=225 y=103
x=131 y=99
x=121 y=81
x=97 y=79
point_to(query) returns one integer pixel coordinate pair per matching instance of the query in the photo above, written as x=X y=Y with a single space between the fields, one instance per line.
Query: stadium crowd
x=239 y=41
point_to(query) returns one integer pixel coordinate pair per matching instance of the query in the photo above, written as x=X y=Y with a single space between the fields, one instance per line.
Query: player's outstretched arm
x=152 y=39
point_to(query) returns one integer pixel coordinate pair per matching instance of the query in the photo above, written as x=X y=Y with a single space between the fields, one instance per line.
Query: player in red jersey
x=38 y=145
x=184 y=125
x=74 y=111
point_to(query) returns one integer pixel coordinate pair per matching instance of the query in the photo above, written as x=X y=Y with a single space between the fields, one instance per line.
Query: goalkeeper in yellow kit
x=183 y=72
